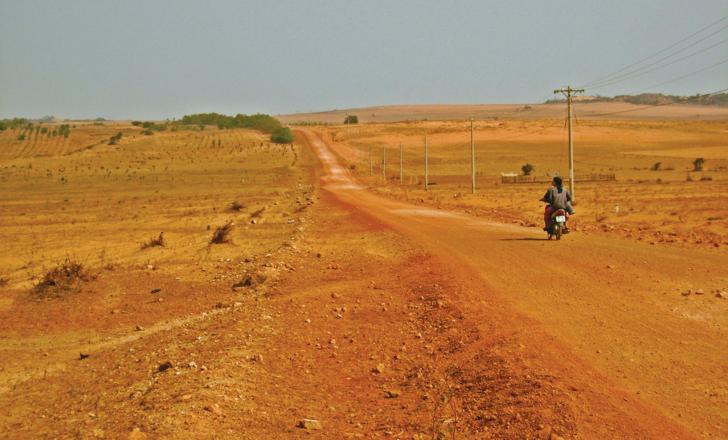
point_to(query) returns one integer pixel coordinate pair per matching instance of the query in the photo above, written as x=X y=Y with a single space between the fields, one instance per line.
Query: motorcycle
x=558 y=224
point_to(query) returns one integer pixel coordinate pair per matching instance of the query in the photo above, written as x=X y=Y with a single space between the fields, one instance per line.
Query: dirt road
x=609 y=318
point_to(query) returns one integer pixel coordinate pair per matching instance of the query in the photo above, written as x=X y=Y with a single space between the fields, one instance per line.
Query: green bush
x=282 y=135
x=351 y=119
x=527 y=169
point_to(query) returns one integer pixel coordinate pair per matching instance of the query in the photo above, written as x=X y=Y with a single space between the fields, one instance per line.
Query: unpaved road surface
x=607 y=317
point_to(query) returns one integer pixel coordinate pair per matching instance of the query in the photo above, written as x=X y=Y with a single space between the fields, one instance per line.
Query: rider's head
x=558 y=182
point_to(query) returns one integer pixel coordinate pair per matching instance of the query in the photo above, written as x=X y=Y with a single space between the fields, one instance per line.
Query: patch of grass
x=222 y=234
x=154 y=241
x=65 y=278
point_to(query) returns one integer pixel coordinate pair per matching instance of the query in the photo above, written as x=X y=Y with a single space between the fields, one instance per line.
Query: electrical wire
x=637 y=74
x=659 y=52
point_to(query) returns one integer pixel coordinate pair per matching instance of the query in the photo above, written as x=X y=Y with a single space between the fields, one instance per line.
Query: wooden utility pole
x=384 y=164
x=426 y=175
x=569 y=92
x=371 y=162
x=472 y=159
x=401 y=166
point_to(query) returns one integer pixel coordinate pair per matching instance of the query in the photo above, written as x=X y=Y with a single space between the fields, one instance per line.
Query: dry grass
x=222 y=234
x=155 y=241
x=236 y=206
x=65 y=278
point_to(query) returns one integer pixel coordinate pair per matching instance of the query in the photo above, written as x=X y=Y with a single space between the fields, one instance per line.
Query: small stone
x=307 y=321
x=379 y=369
x=156 y=290
x=253 y=222
x=192 y=364
x=721 y=294
x=185 y=398
x=544 y=433
x=555 y=437
x=686 y=293
x=138 y=328
x=392 y=394
x=309 y=424
x=699 y=292
x=137 y=434
x=82 y=356
x=610 y=266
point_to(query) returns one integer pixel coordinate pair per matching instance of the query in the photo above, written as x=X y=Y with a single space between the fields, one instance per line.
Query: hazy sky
x=159 y=59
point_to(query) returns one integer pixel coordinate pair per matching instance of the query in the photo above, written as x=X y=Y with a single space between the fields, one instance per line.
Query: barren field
x=347 y=305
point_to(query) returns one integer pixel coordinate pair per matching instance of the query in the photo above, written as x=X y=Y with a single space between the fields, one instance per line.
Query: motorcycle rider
x=557 y=198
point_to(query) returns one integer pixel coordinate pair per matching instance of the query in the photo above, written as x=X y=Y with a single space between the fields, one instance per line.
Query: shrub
x=66 y=277
x=115 y=138
x=351 y=119
x=282 y=135
x=155 y=241
x=21 y=137
x=222 y=234
x=527 y=169
x=698 y=164
x=237 y=206
x=136 y=123
x=147 y=132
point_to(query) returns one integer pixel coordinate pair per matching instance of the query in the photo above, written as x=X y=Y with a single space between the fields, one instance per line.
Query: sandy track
x=602 y=314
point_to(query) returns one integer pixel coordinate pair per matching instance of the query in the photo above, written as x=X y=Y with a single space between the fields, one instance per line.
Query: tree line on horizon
x=259 y=121
x=715 y=99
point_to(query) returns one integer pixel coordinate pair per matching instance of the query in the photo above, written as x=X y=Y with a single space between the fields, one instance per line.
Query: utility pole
x=384 y=164
x=371 y=162
x=472 y=159
x=426 y=176
x=569 y=92
x=401 y=166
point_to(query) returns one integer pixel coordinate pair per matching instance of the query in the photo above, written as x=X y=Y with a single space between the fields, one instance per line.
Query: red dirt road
x=605 y=317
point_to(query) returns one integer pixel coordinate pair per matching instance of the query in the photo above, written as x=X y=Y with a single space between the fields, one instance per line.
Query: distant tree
x=698 y=164
x=351 y=119
x=136 y=123
x=527 y=169
x=48 y=118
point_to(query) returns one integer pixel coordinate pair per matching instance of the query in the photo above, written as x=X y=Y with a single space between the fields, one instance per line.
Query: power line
x=659 y=52
x=712 y=66
x=637 y=72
